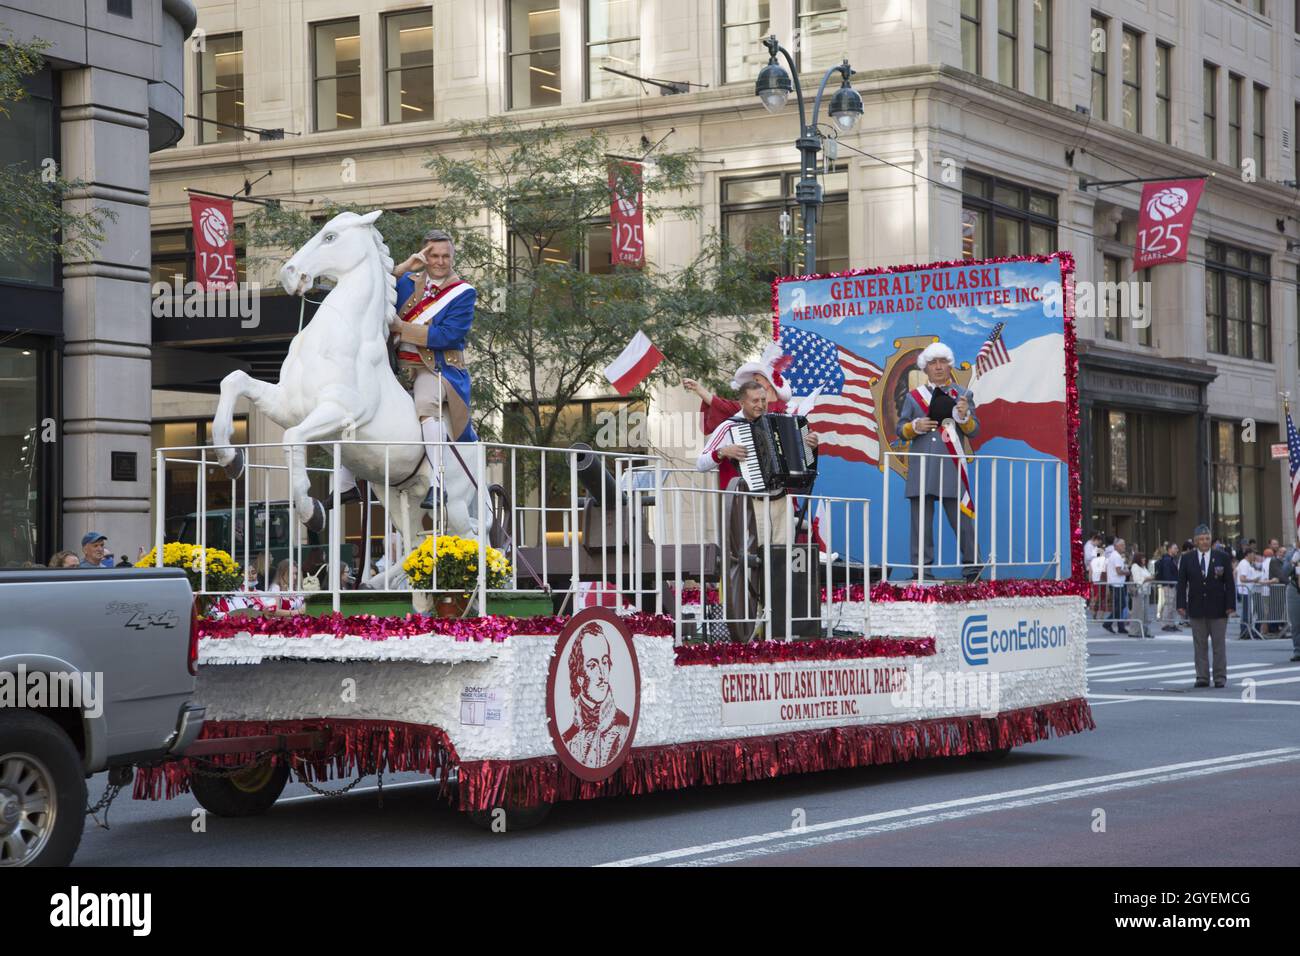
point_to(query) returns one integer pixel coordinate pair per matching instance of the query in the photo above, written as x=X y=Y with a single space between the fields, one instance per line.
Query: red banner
x=214 y=242
x=627 y=228
x=1165 y=221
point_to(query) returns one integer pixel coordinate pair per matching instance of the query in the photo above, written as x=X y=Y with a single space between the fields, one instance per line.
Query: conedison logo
x=975 y=639
x=63 y=689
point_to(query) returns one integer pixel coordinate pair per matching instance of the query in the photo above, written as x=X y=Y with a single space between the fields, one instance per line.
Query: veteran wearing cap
x=93 y=547
x=935 y=418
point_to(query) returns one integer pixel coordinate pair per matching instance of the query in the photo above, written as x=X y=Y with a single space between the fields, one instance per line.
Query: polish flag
x=631 y=368
x=1024 y=398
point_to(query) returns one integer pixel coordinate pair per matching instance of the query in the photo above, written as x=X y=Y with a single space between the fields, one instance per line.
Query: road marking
x=1254 y=673
x=1170 y=670
x=1280 y=680
x=1183 y=698
x=1116 y=667
x=944 y=817
x=1118 y=700
x=1292 y=753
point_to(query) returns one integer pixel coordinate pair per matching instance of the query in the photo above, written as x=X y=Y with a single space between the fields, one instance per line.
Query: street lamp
x=773 y=87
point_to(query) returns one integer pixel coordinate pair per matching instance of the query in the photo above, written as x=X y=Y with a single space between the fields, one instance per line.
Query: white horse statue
x=336 y=383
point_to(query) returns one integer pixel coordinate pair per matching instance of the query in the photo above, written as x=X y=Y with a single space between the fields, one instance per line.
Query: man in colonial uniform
x=934 y=418
x=434 y=315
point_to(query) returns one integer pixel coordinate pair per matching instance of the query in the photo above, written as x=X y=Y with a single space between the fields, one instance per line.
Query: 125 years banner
x=856 y=337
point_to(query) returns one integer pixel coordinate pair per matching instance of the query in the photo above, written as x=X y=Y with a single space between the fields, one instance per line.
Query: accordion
x=777 y=458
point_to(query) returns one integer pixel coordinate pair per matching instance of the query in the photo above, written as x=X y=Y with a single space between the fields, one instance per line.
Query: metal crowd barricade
x=1129 y=606
x=1267 y=615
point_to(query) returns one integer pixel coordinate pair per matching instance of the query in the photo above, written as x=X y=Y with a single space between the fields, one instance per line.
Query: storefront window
x=22 y=443
x=1237 y=480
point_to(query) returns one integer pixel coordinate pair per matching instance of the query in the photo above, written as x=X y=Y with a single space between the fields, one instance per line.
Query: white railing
x=570 y=520
x=1020 y=527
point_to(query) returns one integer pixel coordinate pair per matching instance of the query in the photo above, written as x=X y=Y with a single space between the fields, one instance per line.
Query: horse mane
x=390 y=290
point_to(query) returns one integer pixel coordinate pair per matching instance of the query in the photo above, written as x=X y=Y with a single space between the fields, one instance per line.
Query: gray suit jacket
x=937 y=471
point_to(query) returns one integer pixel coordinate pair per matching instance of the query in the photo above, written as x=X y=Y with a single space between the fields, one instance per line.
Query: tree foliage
x=526 y=206
x=35 y=223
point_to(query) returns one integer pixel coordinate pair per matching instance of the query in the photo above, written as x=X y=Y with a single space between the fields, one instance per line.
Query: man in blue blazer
x=1207 y=596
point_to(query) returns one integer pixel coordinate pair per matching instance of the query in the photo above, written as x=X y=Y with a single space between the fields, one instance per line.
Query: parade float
x=522 y=712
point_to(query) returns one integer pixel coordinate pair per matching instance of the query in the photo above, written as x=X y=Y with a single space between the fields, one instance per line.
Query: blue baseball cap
x=91 y=537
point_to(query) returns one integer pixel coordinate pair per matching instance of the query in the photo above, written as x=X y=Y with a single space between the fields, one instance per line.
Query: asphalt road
x=1172 y=776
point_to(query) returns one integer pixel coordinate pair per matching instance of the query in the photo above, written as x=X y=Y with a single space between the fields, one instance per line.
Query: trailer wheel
x=992 y=756
x=244 y=793
x=510 y=819
x=42 y=792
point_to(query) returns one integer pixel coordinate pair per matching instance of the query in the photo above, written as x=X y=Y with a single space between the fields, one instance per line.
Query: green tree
x=546 y=327
x=35 y=224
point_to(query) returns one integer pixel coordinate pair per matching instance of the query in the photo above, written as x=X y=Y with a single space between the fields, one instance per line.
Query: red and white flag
x=637 y=361
x=1165 y=221
x=626 y=220
x=214 y=242
x=1024 y=398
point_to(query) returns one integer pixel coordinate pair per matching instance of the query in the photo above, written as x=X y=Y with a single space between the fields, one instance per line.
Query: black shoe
x=971 y=575
x=1169 y=627
x=347 y=498
x=1220 y=683
x=430 y=500
x=1122 y=628
x=1295 y=657
x=1108 y=627
x=1202 y=683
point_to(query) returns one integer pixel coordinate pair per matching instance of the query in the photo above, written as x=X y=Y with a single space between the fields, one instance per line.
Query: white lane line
x=797 y=844
x=1119 y=700
x=1176 y=698
x=1253 y=673
x=1280 y=680
x=1116 y=667
x=1292 y=752
x=1171 y=670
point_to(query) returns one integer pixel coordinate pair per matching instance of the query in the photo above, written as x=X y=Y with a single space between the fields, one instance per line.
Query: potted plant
x=448 y=565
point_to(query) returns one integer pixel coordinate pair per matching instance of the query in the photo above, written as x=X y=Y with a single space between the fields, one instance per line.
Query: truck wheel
x=245 y=793
x=42 y=792
x=510 y=819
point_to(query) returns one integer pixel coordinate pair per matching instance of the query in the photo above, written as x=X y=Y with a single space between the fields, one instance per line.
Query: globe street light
x=773 y=88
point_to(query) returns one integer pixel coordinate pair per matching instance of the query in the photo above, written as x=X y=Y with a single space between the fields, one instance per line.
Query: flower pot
x=451 y=605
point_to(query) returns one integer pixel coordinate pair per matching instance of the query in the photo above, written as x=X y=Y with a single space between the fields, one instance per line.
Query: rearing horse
x=336 y=383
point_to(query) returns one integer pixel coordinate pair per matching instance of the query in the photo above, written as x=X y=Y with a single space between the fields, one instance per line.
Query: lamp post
x=773 y=87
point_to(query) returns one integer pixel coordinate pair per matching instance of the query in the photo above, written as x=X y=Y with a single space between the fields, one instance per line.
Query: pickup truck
x=97 y=671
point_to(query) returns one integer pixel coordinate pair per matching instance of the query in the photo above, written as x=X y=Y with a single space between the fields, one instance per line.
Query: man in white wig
x=935 y=417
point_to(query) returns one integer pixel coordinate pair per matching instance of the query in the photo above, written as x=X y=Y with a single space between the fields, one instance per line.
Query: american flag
x=845 y=415
x=1293 y=460
x=993 y=353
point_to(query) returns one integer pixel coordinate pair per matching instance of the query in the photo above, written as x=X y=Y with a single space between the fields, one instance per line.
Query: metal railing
x=1021 y=516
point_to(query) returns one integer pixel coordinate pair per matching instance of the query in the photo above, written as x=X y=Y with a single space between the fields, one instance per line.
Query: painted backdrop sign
x=856 y=336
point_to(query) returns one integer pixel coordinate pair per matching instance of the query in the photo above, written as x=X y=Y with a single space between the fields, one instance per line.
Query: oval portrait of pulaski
x=593 y=694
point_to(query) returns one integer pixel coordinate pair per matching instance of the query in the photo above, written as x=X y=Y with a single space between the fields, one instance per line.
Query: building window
x=172 y=254
x=1112 y=271
x=1236 y=302
x=1257 y=134
x=1237 y=479
x=1209 y=109
x=29 y=128
x=534 y=53
x=1002 y=218
x=744 y=24
x=594 y=255
x=1100 y=46
x=28 y=483
x=181 y=482
x=1008 y=45
x=1164 y=53
x=408 y=66
x=822 y=33
x=221 y=88
x=1043 y=49
x=970 y=35
x=1131 y=79
x=614 y=41
x=758 y=203
x=1235 y=84
x=336 y=74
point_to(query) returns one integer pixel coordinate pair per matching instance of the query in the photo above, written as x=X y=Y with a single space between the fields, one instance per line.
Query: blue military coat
x=938 y=471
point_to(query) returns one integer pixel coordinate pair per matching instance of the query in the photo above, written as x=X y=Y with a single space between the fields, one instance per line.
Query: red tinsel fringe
x=354 y=747
x=493 y=627
x=823 y=650
x=486 y=784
